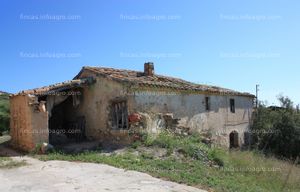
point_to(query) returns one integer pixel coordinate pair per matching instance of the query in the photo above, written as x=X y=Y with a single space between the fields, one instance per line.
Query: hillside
x=4 y=111
x=3 y=93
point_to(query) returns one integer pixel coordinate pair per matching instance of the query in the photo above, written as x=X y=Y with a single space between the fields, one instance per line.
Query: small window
x=207 y=103
x=119 y=115
x=232 y=105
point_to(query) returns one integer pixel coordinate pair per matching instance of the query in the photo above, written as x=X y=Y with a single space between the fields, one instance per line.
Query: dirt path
x=62 y=176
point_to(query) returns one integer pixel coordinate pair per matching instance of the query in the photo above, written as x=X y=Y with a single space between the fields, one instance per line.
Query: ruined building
x=113 y=105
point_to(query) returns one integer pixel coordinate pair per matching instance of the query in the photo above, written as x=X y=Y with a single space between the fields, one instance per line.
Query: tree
x=285 y=102
x=278 y=131
x=4 y=112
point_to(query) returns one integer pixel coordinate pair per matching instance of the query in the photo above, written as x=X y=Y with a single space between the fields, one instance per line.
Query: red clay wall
x=28 y=124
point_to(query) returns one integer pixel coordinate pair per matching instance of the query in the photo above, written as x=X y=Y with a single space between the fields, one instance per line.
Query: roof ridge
x=138 y=78
x=159 y=80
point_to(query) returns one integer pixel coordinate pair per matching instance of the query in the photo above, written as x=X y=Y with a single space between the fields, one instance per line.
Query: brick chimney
x=149 y=69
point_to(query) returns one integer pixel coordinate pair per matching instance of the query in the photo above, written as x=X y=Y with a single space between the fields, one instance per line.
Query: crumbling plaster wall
x=190 y=109
x=29 y=122
x=95 y=106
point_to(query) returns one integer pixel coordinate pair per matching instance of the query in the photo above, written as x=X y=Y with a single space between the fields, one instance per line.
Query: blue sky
x=233 y=44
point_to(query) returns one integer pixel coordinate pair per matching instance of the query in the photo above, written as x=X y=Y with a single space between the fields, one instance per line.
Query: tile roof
x=138 y=78
x=46 y=90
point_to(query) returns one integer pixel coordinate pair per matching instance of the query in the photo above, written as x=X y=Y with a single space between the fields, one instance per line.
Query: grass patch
x=194 y=163
x=8 y=163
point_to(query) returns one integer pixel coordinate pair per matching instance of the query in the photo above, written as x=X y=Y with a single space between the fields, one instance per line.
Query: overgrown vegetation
x=277 y=130
x=185 y=159
x=4 y=113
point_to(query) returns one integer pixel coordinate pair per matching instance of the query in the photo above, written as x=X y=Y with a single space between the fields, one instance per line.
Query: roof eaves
x=46 y=90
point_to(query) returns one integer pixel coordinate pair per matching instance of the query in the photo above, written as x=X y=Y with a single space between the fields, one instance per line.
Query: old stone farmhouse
x=113 y=105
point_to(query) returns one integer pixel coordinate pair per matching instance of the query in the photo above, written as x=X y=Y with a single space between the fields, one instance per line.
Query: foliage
x=4 y=113
x=277 y=131
x=190 y=145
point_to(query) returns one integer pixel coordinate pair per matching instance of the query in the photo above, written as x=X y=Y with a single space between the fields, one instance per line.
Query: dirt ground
x=63 y=176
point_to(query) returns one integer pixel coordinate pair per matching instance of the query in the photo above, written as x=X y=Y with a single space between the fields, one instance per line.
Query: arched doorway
x=234 y=139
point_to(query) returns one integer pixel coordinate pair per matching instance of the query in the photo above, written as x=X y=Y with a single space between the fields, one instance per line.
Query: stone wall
x=190 y=110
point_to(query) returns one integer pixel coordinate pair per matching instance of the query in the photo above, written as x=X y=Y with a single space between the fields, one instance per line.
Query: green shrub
x=148 y=140
x=217 y=156
x=135 y=144
x=165 y=140
x=277 y=131
x=4 y=113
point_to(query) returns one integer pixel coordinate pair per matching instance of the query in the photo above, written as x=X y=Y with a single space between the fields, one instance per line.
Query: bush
x=217 y=156
x=148 y=140
x=277 y=131
x=165 y=140
x=135 y=144
x=4 y=113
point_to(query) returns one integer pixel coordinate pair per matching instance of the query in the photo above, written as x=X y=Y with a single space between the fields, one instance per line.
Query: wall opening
x=64 y=124
x=119 y=113
x=207 y=103
x=234 y=139
x=232 y=106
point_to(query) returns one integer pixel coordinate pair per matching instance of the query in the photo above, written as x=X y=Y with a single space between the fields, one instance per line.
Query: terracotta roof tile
x=56 y=87
x=138 y=78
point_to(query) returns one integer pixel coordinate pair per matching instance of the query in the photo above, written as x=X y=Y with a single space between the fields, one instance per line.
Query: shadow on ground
x=6 y=150
x=70 y=148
